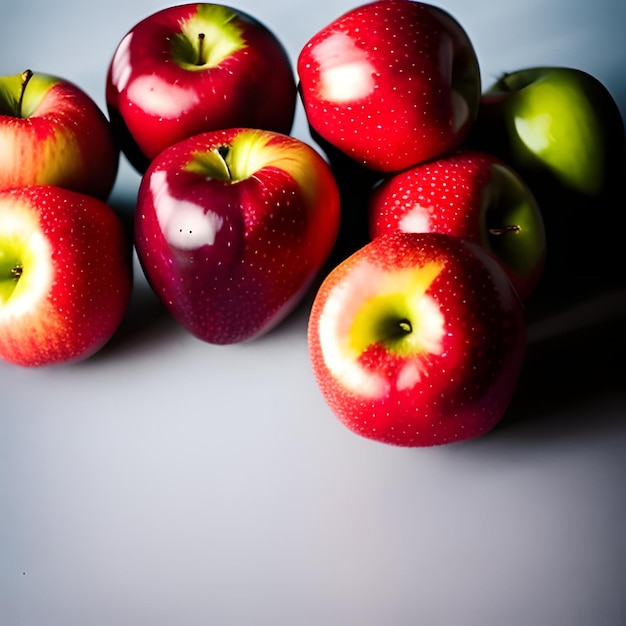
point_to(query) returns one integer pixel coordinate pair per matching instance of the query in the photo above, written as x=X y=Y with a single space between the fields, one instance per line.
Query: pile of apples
x=421 y=221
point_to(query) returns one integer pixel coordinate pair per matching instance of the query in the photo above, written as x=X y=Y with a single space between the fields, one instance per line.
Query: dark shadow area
x=146 y=317
x=577 y=316
x=124 y=207
x=572 y=387
x=576 y=328
x=145 y=323
x=355 y=184
x=574 y=357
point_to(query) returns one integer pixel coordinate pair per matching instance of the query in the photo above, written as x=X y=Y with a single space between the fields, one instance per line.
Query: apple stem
x=26 y=76
x=201 y=60
x=16 y=272
x=405 y=326
x=513 y=228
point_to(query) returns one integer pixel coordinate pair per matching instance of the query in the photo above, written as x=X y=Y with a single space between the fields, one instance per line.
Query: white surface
x=166 y=481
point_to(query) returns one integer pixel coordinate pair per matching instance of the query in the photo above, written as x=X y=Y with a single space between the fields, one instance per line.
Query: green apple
x=553 y=124
x=562 y=131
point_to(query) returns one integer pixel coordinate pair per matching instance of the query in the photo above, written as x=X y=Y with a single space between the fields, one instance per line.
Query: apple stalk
x=9 y=105
x=511 y=228
x=25 y=78
x=201 y=60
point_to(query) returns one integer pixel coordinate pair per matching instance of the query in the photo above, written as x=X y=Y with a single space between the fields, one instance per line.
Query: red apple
x=194 y=68
x=65 y=275
x=417 y=339
x=231 y=228
x=472 y=195
x=53 y=133
x=390 y=83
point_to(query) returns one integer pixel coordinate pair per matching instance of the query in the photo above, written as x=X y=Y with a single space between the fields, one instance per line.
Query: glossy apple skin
x=562 y=131
x=553 y=124
x=58 y=137
x=472 y=195
x=231 y=258
x=155 y=101
x=76 y=279
x=452 y=377
x=390 y=83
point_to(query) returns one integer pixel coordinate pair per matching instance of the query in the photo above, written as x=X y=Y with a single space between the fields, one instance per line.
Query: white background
x=170 y=482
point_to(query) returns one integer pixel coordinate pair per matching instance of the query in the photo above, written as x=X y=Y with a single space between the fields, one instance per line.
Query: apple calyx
x=21 y=268
x=11 y=263
x=10 y=273
x=389 y=319
x=393 y=323
x=208 y=38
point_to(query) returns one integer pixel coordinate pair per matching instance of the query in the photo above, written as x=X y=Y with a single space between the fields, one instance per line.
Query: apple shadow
x=146 y=318
x=575 y=319
x=576 y=314
x=574 y=362
x=146 y=323
x=125 y=207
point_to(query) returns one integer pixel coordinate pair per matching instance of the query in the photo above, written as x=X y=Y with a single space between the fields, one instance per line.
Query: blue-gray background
x=167 y=481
